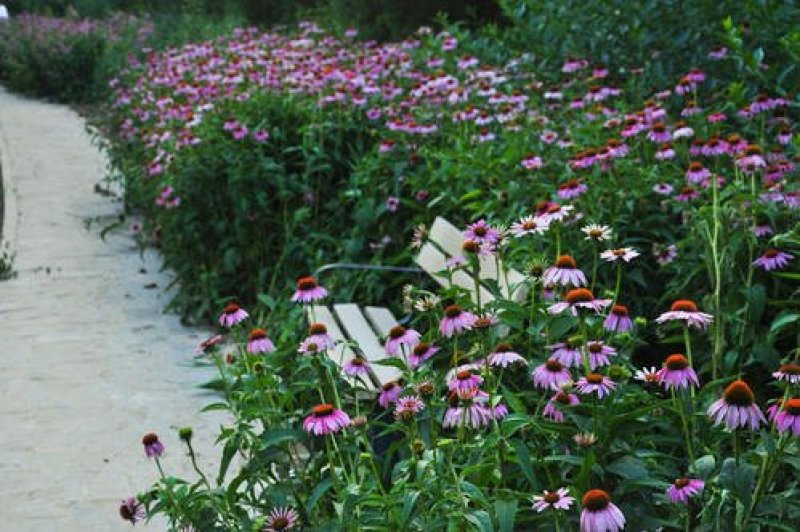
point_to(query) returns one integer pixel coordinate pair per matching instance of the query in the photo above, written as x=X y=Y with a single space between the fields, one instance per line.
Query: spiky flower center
x=676 y=362
x=389 y=386
x=562 y=397
x=790 y=369
x=734 y=138
x=681 y=482
x=317 y=328
x=279 y=523
x=150 y=438
x=619 y=310
x=579 y=295
x=695 y=167
x=357 y=361
x=594 y=347
x=322 y=410
x=529 y=225
x=738 y=393
x=554 y=365
x=596 y=500
x=687 y=190
x=397 y=331
x=480 y=230
x=570 y=185
x=684 y=305
x=452 y=311
x=566 y=262
x=464 y=375
x=231 y=308
x=771 y=253
x=551 y=497
x=503 y=348
x=420 y=349
x=470 y=246
x=752 y=149
x=792 y=407
x=659 y=128
x=594 y=378
x=257 y=334
x=312 y=347
x=306 y=283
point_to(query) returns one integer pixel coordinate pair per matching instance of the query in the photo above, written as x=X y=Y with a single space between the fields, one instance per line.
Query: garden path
x=88 y=361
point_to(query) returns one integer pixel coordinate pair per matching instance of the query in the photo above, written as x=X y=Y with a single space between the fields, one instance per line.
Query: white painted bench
x=349 y=324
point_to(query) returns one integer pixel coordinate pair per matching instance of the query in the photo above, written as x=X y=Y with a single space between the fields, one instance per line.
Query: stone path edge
x=10 y=226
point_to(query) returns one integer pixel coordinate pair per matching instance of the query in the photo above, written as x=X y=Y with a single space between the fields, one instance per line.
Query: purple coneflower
x=456 y=320
x=308 y=290
x=683 y=488
x=208 y=344
x=677 y=373
x=568 y=353
x=659 y=133
x=665 y=152
x=232 y=314
x=408 y=407
x=697 y=173
x=259 y=342
x=421 y=352
x=281 y=518
x=565 y=272
x=665 y=254
x=318 y=334
x=787 y=417
x=687 y=194
x=356 y=366
x=504 y=356
x=788 y=373
x=559 y=400
x=552 y=374
x=325 y=419
x=390 y=393
x=464 y=380
x=131 y=510
x=399 y=336
x=737 y=407
x=618 y=320
x=152 y=446
x=466 y=409
x=595 y=383
x=599 y=353
x=625 y=254
x=571 y=189
x=579 y=298
x=557 y=500
x=686 y=310
x=664 y=189
x=599 y=513
x=772 y=259
x=482 y=232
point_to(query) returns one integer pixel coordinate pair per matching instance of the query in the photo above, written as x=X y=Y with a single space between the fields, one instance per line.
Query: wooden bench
x=365 y=328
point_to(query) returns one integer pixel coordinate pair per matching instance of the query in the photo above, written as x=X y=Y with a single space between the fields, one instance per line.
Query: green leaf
x=524 y=460
x=409 y=501
x=629 y=468
x=481 y=519
x=505 y=511
x=739 y=479
x=279 y=436
x=317 y=494
x=704 y=466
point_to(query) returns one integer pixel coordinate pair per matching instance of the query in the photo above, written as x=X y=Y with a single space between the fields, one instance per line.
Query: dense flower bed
x=656 y=227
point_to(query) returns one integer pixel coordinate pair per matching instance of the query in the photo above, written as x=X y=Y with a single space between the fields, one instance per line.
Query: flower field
x=643 y=373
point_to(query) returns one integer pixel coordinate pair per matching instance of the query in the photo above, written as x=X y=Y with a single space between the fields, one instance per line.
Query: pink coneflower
x=624 y=254
x=687 y=193
x=665 y=152
x=596 y=232
x=737 y=408
x=666 y=254
x=659 y=133
x=504 y=356
x=718 y=53
x=557 y=500
x=357 y=366
x=152 y=446
x=579 y=298
x=409 y=406
x=683 y=488
x=599 y=513
x=567 y=353
x=465 y=379
x=786 y=417
x=281 y=518
x=208 y=344
x=390 y=393
x=772 y=259
x=571 y=189
x=677 y=373
x=599 y=353
x=697 y=173
x=308 y=290
x=553 y=212
x=232 y=314
x=529 y=225
x=647 y=375
x=261 y=136
x=466 y=409
x=565 y=272
x=482 y=233
x=751 y=160
x=618 y=320
x=595 y=383
x=763 y=229
x=259 y=342
x=715 y=118
x=788 y=373
x=318 y=335
x=398 y=337
x=663 y=189
x=456 y=320
x=551 y=375
x=131 y=510
x=325 y=419
x=532 y=162
x=686 y=310
x=560 y=399
x=420 y=353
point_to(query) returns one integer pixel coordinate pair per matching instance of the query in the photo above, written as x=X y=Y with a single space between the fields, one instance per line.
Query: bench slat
x=362 y=333
x=342 y=353
x=381 y=319
x=432 y=261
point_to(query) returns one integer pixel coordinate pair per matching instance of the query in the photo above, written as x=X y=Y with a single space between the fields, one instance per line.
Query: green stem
x=686 y=432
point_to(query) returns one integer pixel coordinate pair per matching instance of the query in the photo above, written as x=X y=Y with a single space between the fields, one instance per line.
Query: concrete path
x=88 y=361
